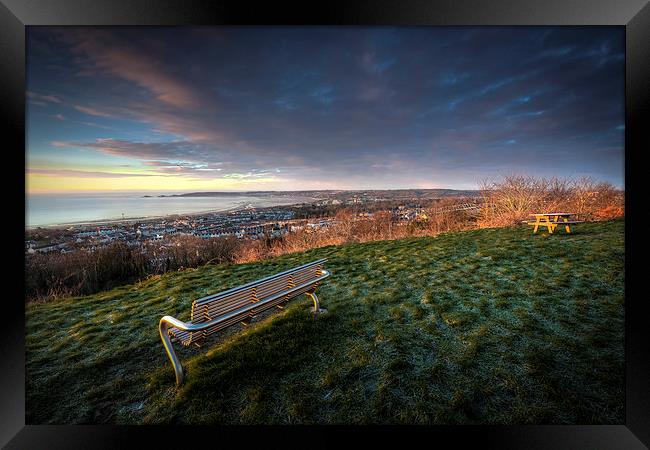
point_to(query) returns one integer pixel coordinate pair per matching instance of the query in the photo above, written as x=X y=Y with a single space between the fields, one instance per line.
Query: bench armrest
x=163 y=327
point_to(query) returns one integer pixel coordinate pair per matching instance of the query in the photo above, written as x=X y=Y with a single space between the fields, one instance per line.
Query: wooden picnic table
x=552 y=220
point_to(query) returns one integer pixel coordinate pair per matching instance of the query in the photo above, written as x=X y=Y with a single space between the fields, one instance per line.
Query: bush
x=54 y=275
x=81 y=273
x=513 y=198
x=350 y=228
x=190 y=251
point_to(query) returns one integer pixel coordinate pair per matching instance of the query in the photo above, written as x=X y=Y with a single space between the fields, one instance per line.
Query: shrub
x=54 y=275
x=513 y=198
x=81 y=273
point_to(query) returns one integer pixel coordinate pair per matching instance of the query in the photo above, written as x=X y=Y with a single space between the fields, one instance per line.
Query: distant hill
x=390 y=193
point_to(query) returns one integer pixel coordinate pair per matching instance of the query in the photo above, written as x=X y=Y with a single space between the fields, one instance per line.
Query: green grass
x=485 y=326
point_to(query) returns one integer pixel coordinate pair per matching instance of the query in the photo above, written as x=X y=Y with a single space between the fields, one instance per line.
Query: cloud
x=175 y=150
x=106 y=52
x=257 y=174
x=82 y=173
x=327 y=105
x=176 y=157
x=95 y=125
x=91 y=111
x=43 y=98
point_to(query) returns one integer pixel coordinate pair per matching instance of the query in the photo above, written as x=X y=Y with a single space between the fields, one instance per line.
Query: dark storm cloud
x=334 y=104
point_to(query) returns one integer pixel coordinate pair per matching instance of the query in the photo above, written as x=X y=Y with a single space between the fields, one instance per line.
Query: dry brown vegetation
x=504 y=202
x=510 y=200
x=57 y=275
x=351 y=229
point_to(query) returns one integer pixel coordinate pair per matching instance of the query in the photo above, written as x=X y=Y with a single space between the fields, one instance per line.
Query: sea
x=43 y=210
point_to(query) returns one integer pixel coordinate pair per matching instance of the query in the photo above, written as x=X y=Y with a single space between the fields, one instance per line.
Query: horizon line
x=152 y=191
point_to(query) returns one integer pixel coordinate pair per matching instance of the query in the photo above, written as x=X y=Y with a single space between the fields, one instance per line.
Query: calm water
x=48 y=209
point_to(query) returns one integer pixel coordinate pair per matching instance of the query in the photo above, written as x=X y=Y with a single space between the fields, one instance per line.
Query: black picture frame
x=634 y=15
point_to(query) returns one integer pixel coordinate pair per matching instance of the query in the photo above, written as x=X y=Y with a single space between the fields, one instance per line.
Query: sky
x=301 y=108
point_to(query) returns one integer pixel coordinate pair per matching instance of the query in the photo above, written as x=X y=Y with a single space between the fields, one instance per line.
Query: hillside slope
x=485 y=326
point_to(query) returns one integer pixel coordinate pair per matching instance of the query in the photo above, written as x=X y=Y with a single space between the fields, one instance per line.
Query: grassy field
x=485 y=326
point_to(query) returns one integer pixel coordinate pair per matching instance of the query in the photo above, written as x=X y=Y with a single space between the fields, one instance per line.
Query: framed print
x=413 y=219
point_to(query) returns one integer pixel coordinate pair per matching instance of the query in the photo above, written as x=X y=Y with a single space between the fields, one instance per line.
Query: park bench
x=240 y=305
x=552 y=220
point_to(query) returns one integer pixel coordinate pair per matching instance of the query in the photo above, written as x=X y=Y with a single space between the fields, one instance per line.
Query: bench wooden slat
x=555 y=223
x=261 y=292
x=224 y=306
x=246 y=296
x=267 y=290
x=304 y=275
x=265 y=306
x=303 y=290
x=226 y=324
x=217 y=311
x=256 y=283
x=182 y=336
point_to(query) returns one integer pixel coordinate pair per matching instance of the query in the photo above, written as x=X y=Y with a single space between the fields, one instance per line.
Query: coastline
x=44 y=211
x=263 y=204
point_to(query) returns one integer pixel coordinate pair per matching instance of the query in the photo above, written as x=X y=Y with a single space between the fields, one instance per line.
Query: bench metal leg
x=317 y=309
x=164 y=336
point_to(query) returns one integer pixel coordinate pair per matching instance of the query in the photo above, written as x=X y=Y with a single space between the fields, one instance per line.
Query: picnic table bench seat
x=553 y=222
x=241 y=304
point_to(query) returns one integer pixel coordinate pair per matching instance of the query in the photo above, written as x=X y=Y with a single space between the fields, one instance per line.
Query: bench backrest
x=216 y=305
